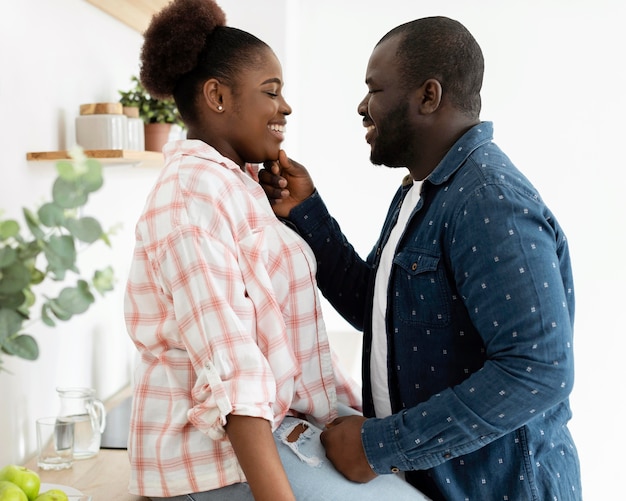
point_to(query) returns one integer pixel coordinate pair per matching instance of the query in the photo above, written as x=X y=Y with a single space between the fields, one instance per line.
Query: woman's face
x=256 y=124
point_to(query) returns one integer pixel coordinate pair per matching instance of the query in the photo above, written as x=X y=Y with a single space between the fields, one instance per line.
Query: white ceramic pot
x=102 y=126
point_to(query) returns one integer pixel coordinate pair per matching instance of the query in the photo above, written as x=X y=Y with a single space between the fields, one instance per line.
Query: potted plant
x=47 y=252
x=158 y=115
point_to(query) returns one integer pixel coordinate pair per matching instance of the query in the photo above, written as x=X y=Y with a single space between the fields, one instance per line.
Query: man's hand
x=344 y=449
x=286 y=183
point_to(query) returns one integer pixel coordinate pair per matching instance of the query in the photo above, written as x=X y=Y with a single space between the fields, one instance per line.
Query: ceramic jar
x=136 y=139
x=102 y=126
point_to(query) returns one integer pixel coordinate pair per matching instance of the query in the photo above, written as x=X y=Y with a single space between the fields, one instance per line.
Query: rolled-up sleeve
x=216 y=325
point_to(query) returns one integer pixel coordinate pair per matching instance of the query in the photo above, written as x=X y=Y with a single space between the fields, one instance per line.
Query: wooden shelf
x=106 y=157
x=134 y=13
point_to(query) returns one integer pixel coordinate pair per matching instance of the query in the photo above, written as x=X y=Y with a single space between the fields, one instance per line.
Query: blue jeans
x=312 y=476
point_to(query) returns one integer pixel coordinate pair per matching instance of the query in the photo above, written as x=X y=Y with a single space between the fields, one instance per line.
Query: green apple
x=52 y=495
x=25 y=479
x=11 y=492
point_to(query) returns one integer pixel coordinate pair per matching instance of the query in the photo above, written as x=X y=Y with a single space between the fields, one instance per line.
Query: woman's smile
x=278 y=130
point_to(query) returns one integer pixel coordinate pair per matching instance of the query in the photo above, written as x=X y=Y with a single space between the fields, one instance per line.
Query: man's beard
x=394 y=138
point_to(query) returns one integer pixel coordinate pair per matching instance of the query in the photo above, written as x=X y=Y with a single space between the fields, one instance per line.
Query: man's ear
x=429 y=96
x=213 y=94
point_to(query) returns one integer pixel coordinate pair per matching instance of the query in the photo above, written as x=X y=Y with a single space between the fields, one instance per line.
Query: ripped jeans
x=311 y=474
x=313 y=477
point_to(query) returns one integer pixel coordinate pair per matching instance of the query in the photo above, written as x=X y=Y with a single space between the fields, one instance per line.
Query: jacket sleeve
x=341 y=274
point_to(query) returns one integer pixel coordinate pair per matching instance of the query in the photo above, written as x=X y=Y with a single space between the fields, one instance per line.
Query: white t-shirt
x=378 y=358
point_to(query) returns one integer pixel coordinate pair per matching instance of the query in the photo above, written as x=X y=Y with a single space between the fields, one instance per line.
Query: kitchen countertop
x=103 y=477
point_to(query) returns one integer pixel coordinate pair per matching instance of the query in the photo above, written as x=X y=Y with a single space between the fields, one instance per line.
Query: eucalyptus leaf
x=10 y=323
x=36 y=276
x=105 y=238
x=15 y=277
x=86 y=229
x=33 y=224
x=66 y=170
x=58 y=311
x=45 y=315
x=9 y=229
x=23 y=346
x=92 y=180
x=61 y=255
x=29 y=297
x=74 y=300
x=12 y=301
x=29 y=251
x=103 y=280
x=69 y=194
x=8 y=255
x=51 y=215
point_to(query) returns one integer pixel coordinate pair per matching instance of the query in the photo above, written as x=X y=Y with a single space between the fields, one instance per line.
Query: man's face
x=385 y=108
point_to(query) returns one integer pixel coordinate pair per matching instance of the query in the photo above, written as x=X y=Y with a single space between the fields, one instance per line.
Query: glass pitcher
x=89 y=416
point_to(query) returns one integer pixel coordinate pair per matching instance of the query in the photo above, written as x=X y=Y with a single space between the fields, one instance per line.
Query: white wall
x=553 y=87
x=54 y=56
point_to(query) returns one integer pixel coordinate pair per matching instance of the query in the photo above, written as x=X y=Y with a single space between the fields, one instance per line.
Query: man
x=466 y=301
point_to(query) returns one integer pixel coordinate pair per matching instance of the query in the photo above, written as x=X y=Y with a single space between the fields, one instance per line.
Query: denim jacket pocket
x=418 y=289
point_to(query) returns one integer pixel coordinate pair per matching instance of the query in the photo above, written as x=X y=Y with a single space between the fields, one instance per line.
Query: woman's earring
x=220 y=107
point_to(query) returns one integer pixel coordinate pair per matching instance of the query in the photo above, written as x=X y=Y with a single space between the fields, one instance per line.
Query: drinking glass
x=55 y=443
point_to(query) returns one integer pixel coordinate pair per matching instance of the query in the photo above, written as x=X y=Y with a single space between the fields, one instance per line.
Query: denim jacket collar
x=474 y=138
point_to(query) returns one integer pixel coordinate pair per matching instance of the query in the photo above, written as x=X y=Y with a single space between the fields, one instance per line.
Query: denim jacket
x=479 y=323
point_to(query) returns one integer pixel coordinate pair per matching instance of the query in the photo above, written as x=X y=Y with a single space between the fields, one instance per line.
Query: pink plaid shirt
x=222 y=304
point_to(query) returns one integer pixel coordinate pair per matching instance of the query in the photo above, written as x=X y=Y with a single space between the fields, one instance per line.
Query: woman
x=221 y=299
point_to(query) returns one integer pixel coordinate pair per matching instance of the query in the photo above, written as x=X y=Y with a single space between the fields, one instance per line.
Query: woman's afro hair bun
x=173 y=41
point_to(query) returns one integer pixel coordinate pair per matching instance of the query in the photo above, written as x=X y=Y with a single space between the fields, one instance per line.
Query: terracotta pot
x=131 y=111
x=156 y=135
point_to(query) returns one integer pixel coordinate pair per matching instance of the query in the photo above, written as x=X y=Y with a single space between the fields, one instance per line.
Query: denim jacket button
x=414 y=266
x=395 y=469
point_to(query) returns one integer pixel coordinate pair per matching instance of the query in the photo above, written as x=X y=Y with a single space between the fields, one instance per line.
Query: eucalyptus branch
x=55 y=230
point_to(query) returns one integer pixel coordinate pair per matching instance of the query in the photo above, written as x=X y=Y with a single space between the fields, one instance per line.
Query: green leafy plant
x=55 y=230
x=151 y=110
